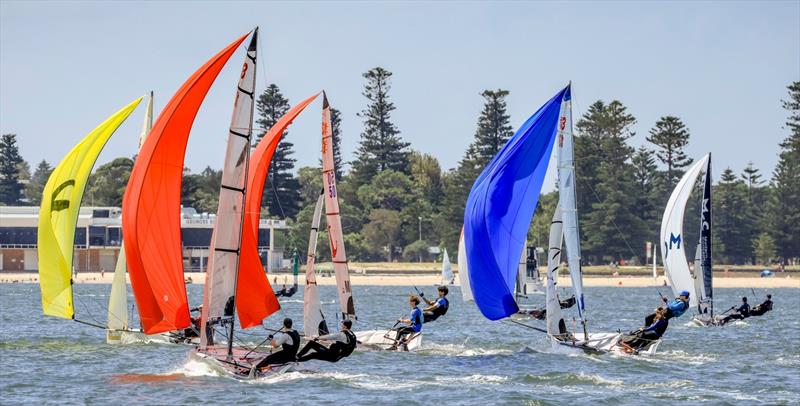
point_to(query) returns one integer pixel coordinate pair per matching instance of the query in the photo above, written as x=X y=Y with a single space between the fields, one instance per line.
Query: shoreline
x=395 y=279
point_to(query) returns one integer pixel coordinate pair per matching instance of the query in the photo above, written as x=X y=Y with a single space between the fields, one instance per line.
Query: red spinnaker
x=255 y=299
x=151 y=206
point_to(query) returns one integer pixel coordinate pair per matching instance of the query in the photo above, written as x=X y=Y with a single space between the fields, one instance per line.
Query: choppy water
x=466 y=358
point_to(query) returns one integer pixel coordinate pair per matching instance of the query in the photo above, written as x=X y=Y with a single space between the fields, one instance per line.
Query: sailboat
x=58 y=216
x=463 y=270
x=447 y=270
x=676 y=268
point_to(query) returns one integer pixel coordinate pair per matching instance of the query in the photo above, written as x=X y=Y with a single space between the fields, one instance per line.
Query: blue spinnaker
x=500 y=208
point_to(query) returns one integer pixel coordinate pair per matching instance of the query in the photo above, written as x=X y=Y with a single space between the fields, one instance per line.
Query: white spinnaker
x=334 y=220
x=463 y=270
x=673 y=255
x=118 y=299
x=223 y=262
x=567 y=200
x=552 y=304
x=447 y=269
x=313 y=318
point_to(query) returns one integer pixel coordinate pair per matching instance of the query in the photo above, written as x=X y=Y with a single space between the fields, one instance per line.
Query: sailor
x=644 y=336
x=344 y=342
x=289 y=341
x=438 y=307
x=742 y=312
x=413 y=324
x=677 y=306
x=762 y=308
x=281 y=292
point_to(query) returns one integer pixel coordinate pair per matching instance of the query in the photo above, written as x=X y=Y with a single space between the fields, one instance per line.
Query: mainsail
x=673 y=254
x=313 y=319
x=255 y=299
x=226 y=239
x=332 y=216
x=447 y=269
x=118 y=298
x=567 y=199
x=500 y=208
x=58 y=215
x=555 y=318
x=463 y=270
x=151 y=206
x=705 y=269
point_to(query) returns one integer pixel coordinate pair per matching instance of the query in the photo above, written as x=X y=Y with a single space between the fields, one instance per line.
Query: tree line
x=397 y=202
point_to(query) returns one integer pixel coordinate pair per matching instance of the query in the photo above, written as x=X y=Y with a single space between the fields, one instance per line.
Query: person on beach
x=289 y=341
x=436 y=308
x=741 y=313
x=413 y=324
x=646 y=335
x=762 y=308
x=344 y=343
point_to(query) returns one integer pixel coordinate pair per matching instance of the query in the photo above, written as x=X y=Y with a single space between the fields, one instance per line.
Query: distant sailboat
x=676 y=267
x=463 y=270
x=447 y=269
x=58 y=216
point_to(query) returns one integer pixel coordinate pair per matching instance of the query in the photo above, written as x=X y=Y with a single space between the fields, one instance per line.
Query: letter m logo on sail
x=673 y=239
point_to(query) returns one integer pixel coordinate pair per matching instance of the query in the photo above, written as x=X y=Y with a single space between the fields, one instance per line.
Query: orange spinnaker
x=151 y=215
x=255 y=299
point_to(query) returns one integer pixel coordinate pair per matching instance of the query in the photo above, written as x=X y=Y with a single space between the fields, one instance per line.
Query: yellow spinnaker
x=58 y=215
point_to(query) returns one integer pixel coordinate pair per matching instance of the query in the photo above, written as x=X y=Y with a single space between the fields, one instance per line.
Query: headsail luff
x=567 y=199
x=226 y=238
x=151 y=205
x=555 y=318
x=500 y=208
x=118 y=298
x=313 y=319
x=447 y=269
x=255 y=299
x=58 y=215
x=334 y=220
x=707 y=300
x=673 y=254
x=463 y=269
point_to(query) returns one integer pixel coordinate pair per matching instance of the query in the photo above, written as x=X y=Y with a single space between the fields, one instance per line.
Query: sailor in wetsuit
x=438 y=307
x=762 y=308
x=344 y=342
x=289 y=341
x=675 y=307
x=413 y=323
x=741 y=313
x=644 y=336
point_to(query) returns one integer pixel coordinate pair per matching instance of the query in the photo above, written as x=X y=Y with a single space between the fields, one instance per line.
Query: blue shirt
x=655 y=326
x=677 y=307
x=416 y=319
x=441 y=303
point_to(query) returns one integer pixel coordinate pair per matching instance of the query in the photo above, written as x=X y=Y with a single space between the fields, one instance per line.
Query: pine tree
x=732 y=224
x=493 y=130
x=645 y=172
x=671 y=136
x=381 y=147
x=783 y=207
x=281 y=192
x=336 y=130
x=34 y=188
x=108 y=182
x=10 y=186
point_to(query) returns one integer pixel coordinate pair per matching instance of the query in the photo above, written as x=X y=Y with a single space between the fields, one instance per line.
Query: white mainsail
x=567 y=200
x=223 y=262
x=313 y=319
x=676 y=267
x=118 y=298
x=463 y=270
x=555 y=318
x=334 y=220
x=447 y=269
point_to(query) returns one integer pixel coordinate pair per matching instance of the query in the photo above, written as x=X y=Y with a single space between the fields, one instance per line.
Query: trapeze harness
x=343 y=350
x=439 y=311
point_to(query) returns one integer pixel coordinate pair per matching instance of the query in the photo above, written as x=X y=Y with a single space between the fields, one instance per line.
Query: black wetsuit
x=645 y=337
x=438 y=311
x=334 y=353
x=762 y=308
x=742 y=313
x=288 y=352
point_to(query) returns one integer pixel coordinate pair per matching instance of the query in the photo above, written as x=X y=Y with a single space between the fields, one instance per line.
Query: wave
x=460 y=350
x=561 y=379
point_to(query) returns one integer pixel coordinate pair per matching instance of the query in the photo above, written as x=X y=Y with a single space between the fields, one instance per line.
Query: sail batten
x=58 y=215
x=151 y=205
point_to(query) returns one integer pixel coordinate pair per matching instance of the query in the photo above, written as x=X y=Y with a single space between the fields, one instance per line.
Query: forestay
x=58 y=215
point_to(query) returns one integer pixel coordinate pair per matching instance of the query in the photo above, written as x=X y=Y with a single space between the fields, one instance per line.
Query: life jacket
x=442 y=310
x=291 y=349
x=416 y=319
x=345 y=349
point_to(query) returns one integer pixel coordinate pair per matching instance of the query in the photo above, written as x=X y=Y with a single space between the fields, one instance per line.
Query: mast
x=313 y=319
x=567 y=200
x=332 y=216
x=705 y=239
x=223 y=263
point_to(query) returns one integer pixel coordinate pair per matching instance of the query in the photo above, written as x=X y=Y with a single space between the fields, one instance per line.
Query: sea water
x=466 y=359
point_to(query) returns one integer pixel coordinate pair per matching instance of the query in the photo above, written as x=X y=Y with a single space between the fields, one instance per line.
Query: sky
x=722 y=67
